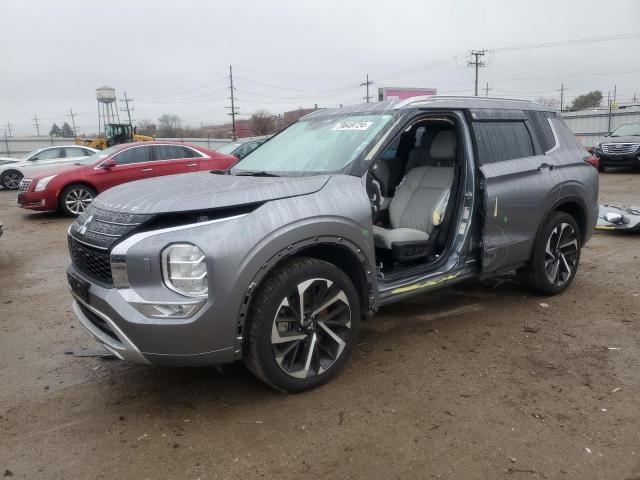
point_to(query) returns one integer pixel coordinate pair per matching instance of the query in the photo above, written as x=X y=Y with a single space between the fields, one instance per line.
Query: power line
x=563 y=43
x=366 y=84
x=36 y=123
x=477 y=63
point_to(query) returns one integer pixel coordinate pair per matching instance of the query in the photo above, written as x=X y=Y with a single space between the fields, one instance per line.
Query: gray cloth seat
x=443 y=155
x=421 y=198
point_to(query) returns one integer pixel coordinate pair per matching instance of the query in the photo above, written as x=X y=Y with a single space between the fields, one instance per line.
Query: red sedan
x=73 y=189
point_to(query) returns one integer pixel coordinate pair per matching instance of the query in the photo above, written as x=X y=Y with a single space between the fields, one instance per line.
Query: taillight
x=592 y=160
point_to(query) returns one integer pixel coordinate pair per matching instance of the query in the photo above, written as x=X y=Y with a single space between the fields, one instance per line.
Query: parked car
x=279 y=259
x=73 y=189
x=621 y=148
x=240 y=149
x=41 y=160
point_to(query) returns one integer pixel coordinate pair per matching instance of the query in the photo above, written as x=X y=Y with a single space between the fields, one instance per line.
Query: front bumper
x=129 y=335
x=42 y=201
x=623 y=160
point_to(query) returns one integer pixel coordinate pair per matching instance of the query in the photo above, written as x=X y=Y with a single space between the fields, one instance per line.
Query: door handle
x=146 y=169
x=545 y=166
x=192 y=164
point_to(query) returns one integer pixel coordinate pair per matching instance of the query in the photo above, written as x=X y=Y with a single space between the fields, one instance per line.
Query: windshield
x=326 y=144
x=98 y=156
x=632 y=129
x=228 y=148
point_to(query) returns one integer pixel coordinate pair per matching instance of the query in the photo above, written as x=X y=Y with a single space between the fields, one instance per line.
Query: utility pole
x=233 y=112
x=366 y=84
x=486 y=90
x=127 y=109
x=477 y=63
x=615 y=94
x=609 y=116
x=73 y=121
x=35 y=122
x=9 y=125
x=562 y=89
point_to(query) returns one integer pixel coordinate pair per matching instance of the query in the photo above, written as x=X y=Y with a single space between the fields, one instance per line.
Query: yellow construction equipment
x=114 y=134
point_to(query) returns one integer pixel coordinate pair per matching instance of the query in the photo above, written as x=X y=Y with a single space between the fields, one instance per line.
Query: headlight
x=42 y=183
x=184 y=270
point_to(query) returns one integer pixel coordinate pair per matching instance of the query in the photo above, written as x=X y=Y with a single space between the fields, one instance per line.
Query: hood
x=73 y=169
x=7 y=161
x=623 y=139
x=203 y=191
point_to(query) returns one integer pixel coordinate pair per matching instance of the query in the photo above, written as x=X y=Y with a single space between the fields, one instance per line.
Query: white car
x=39 y=161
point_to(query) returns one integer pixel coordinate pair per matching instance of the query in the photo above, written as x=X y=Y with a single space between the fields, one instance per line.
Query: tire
x=76 y=198
x=556 y=256
x=11 y=179
x=293 y=364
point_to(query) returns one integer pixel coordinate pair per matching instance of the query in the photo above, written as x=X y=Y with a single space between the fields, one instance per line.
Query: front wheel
x=302 y=325
x=75 y=199
x=556 y=256
x=11 y=179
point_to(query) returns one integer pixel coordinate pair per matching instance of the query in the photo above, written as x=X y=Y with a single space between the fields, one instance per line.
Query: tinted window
x=542 y=129
x=167 y=152
x=72 y=152
x=499 y=141
x=48 y=154
x=189 y=153
x=133 y=155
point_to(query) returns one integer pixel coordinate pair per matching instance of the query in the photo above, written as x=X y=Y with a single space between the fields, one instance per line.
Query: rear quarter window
x=540 y=123
x=500 y=141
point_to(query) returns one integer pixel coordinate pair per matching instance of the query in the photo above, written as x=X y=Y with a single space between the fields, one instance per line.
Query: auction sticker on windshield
x=346 y=125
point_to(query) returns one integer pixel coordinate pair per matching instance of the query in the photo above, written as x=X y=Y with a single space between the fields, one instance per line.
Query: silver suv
x=277 y=260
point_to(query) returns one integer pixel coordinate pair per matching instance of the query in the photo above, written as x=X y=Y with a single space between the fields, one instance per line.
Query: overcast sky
x=174 y=57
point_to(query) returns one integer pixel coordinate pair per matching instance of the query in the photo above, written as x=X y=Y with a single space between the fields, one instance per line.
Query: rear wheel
x=75 y=199
x=556 y=256
x=302 y=325
x=11 y=179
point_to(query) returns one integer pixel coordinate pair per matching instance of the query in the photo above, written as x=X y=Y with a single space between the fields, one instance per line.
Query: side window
x=499 y=141
x=48 y=154
x=189 y=153
x=72 y=152
x=167 y=152
x=540 y=123
x=133 y=155
x=87 y=152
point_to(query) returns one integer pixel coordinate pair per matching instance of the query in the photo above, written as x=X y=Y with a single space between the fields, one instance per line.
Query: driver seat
x=419 y=205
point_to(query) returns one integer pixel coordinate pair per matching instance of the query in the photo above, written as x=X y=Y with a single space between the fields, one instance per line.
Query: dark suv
x=277 y=260
x=620 y=148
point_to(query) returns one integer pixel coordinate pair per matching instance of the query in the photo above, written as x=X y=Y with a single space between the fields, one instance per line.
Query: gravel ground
x=472 y=382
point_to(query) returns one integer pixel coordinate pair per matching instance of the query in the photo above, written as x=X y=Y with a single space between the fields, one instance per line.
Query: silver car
x=278 y=260
x=49 y=159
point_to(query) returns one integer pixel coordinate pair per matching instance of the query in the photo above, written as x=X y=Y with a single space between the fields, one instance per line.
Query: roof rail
x=425 y=98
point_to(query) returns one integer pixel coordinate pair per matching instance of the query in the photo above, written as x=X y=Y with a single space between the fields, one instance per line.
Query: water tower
x=107 y=107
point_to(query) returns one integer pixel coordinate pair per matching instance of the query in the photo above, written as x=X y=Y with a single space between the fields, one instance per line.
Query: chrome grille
x=620 y=148
x=24 y=185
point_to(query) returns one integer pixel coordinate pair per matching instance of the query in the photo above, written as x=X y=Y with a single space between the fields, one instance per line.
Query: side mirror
x=110 y=163
x=33 y=158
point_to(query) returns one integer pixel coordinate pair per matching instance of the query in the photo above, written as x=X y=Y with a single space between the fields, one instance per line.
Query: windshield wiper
x=255 y=173
x=221 y=172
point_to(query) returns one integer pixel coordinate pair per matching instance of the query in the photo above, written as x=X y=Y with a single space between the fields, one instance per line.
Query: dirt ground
x=474 y=382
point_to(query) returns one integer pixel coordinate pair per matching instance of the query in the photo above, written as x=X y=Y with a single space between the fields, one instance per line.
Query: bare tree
x=262 y=123
x=168 y=125
x=549 y=102
x=146 y=127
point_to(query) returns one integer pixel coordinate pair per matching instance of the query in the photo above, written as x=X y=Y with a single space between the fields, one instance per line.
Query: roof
x=434 y=101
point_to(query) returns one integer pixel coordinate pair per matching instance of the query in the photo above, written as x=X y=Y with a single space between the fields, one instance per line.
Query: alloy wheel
x=11 y=180
x=561 y=254
x=77 y=200
x=311 y=328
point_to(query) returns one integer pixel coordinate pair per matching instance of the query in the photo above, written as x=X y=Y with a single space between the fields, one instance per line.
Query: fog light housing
x=168 y=310
x=184 y=270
